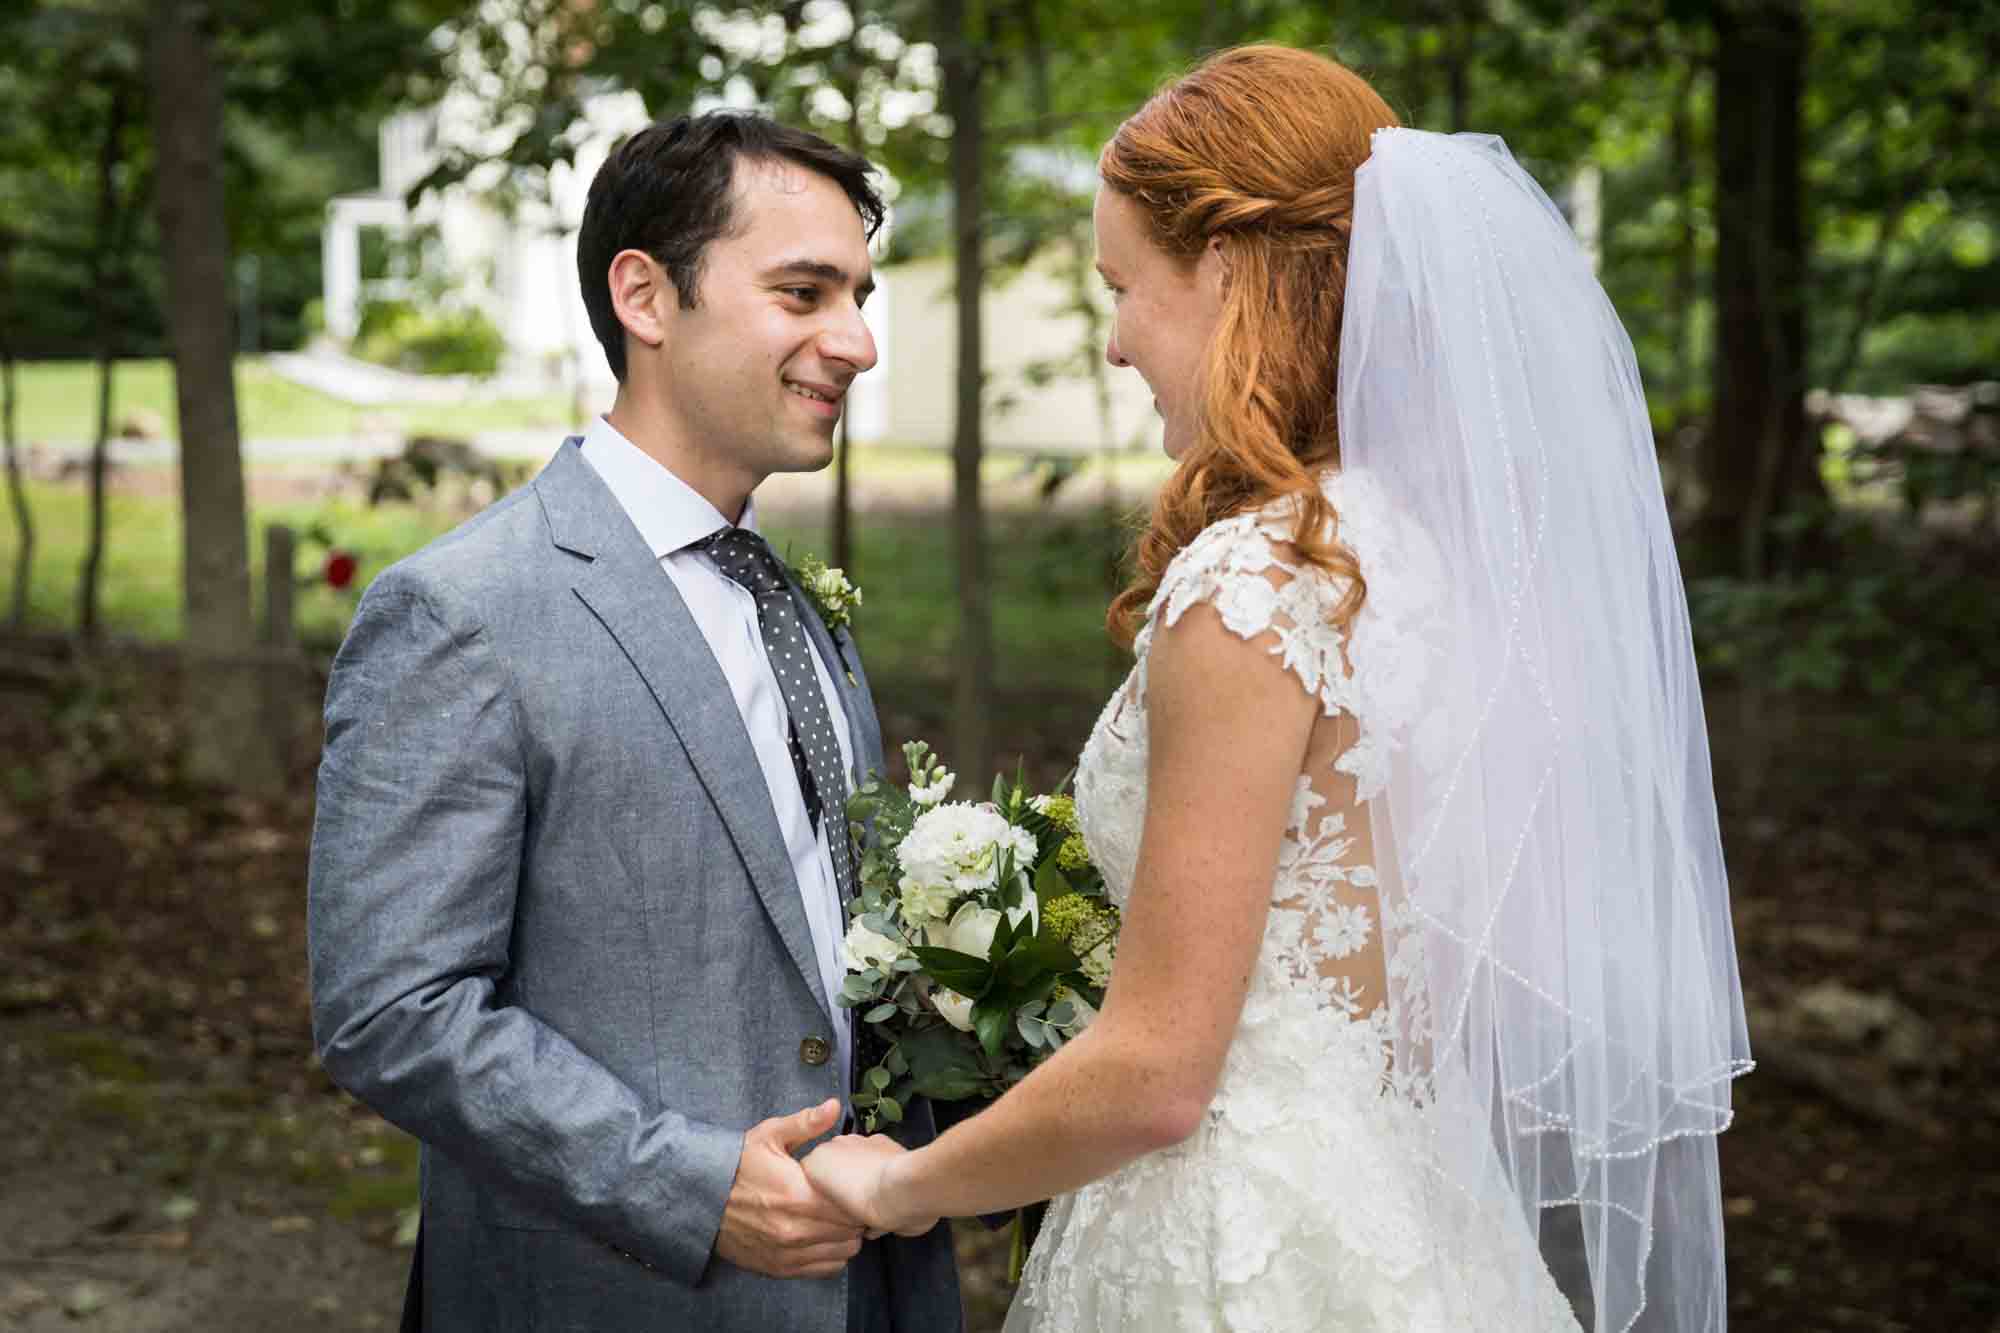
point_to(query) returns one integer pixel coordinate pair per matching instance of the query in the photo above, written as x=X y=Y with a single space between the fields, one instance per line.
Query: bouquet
x=980 y=938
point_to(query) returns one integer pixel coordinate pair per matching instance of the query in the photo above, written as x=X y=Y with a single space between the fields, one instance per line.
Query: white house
x=521 y=271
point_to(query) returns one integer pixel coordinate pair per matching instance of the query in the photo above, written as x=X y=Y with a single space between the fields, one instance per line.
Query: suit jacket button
x=815 y=1051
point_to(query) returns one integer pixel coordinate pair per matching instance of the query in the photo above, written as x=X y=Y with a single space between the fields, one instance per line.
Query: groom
x=578 y=867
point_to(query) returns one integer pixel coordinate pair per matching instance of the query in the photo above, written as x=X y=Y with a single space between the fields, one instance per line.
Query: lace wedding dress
x=1303 y=1201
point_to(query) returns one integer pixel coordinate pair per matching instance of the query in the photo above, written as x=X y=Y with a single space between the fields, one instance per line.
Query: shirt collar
x=669 y=513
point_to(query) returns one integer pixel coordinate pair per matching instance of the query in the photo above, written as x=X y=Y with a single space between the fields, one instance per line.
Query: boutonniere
x=833 y=596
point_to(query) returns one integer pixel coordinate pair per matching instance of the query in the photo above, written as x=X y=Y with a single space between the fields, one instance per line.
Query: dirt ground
x=173 y=1159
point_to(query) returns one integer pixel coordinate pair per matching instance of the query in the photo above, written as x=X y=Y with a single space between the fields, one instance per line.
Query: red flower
x=340 y=567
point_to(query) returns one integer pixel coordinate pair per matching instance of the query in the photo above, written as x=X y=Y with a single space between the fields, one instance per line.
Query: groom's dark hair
x=667 y=191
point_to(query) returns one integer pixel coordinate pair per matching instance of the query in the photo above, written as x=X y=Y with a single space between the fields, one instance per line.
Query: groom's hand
x=775 y=1222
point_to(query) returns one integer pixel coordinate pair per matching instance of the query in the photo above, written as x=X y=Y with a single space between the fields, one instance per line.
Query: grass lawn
x=58 y=405
x=1048 y=592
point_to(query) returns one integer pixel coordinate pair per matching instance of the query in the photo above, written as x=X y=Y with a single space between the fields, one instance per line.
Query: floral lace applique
x=1300 y=1202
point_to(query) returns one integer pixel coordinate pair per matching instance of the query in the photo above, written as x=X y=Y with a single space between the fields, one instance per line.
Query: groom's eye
x=806 y=294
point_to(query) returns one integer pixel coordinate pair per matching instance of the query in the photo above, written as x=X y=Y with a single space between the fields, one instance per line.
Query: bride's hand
x=852 y=1171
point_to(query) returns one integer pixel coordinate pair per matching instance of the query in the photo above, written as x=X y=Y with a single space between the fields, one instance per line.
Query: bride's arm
x=1228 y=727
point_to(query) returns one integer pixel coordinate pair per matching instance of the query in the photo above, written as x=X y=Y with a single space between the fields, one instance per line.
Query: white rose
x=925 y=902
x=863 y=949
x=970 y=930
x=954 y=1008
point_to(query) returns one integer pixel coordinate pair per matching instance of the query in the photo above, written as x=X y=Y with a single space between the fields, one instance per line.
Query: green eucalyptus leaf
x=877 y=1078
x=1031 y=1029
x=880 y=1013
x=891 y=1110
x=991 y=1023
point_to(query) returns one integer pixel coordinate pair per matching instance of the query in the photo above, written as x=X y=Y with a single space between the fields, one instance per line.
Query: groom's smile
x=751 y=378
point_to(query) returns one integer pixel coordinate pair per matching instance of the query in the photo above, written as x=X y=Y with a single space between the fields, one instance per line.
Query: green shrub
x=1909 y=629
x=431 y=342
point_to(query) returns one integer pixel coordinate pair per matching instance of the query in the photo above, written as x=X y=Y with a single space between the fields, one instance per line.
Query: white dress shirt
x=670 y=515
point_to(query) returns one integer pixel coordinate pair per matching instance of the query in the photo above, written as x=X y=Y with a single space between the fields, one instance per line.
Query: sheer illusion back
x=1302 y=1201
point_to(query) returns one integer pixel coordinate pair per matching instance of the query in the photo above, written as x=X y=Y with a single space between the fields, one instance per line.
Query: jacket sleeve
x=416 y=859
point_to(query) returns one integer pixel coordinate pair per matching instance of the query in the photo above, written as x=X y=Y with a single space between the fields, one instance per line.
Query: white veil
x=1563 y=969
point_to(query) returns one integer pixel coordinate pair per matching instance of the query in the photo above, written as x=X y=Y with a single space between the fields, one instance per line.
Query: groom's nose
x=849 y=340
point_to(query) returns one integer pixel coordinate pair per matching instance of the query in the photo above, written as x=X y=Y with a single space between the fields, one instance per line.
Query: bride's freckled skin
x=1164 y=312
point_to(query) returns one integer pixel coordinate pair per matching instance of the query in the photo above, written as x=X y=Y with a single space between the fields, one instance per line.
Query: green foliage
x=1909 y=631
x=447 y=341
x=58 y=405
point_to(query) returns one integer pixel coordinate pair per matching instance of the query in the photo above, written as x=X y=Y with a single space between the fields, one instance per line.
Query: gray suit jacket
x=556 y=936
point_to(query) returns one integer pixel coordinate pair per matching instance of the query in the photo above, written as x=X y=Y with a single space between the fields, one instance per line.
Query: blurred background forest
x=220 y=419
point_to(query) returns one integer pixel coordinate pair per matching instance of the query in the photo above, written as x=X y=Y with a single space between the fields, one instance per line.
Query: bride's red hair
x=1256 y=146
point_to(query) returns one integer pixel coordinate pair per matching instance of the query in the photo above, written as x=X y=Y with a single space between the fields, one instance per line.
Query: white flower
x=972 y=927
x=970 y=930
x=954 y=1008
x=863 y=949
x=936 y=789
x=832 y=586
x=956 y=844
x=1343 y=930
x=925 y=902
x=1097 y=963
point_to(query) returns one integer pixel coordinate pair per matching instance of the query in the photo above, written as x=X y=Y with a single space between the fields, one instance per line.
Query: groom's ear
x=640 y=289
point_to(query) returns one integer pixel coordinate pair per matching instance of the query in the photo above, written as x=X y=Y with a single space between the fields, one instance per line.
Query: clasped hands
x=790 y=1218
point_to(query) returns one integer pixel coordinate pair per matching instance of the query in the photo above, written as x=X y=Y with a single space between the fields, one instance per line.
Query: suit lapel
x=635 y=601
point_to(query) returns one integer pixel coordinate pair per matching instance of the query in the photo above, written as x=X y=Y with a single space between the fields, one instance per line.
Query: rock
x=86 y=1298
x=1864 y=1019
x=141 y=423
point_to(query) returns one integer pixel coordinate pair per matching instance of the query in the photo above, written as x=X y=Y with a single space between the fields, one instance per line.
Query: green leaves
x=969 y=976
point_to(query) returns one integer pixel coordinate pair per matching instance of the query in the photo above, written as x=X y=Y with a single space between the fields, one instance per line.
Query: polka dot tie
x=745 y=558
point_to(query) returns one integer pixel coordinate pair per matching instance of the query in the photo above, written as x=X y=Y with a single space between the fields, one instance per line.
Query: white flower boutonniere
x=832 y=596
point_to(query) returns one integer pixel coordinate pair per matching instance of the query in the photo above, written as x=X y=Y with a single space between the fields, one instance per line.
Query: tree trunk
x=972 y=701
x=840 y=528
x=105 y=261
x=17 y=492
x=1755 y=461
x=220 y=694
x=1677 y=465
x=1681 y=290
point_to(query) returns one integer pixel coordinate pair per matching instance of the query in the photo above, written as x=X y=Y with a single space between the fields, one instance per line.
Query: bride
x=1425 y=1009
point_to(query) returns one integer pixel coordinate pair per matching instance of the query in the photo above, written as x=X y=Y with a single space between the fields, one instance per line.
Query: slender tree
x=1755 y=464
x=225 y=744
x=107 y=269
x=972 y=700
x=17 y=491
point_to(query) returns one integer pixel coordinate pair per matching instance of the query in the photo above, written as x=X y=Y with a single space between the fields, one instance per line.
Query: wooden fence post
x=279 y=545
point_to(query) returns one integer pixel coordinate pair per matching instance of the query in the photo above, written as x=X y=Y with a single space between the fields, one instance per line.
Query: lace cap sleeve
x=1243 y=567
x=1375 y=669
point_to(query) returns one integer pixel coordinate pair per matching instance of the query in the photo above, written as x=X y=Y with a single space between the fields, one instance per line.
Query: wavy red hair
x=1257 y=148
